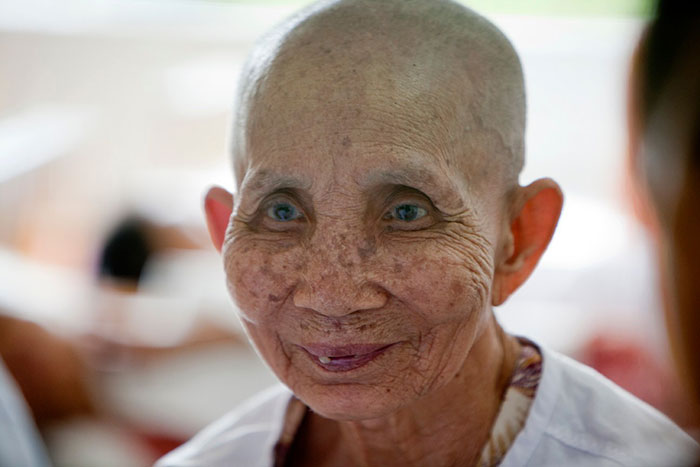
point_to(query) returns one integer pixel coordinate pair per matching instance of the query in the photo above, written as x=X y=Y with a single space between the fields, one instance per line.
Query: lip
x=344 y=357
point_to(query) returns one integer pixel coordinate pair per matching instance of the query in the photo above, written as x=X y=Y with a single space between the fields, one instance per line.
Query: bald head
x=432 y=71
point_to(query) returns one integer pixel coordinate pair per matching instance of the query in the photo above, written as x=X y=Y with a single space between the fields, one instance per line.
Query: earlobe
x=537 y=210
x=218 y=205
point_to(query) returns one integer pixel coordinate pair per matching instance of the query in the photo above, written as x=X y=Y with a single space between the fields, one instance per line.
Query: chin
x=348 y=402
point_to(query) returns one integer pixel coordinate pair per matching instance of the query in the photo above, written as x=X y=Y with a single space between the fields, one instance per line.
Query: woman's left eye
x=283 y=212
x=408 y=212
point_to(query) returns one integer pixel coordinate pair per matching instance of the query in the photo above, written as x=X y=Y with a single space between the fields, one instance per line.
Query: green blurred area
x=632 y=8
x=629 y=8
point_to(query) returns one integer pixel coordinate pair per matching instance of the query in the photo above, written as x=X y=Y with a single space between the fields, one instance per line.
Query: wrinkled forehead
x=326 y=105
x=370 y=80
x=340 y=144
x=376 y=90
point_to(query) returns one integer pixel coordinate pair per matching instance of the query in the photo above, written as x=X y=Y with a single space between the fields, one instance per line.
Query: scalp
x=433 y=62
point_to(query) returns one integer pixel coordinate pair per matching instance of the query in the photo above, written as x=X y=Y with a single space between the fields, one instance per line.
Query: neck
x=447 y=427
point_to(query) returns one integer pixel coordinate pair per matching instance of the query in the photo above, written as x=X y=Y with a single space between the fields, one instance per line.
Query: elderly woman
x=377 y=219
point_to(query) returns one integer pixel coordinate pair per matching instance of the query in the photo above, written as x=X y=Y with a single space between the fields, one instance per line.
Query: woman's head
x=378 y=215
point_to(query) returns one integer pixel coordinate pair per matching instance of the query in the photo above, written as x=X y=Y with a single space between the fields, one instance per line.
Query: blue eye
x=408 y=212
x=283 y=212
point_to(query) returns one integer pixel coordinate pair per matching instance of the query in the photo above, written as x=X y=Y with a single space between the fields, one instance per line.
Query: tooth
x=324 y=359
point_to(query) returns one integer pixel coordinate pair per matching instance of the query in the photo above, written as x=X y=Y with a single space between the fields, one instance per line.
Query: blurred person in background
x=50 y=370
x=20 y=443
x=664 y=118
x=378 y=218
x=122 y=266
x=59 y=375
x=125 y=253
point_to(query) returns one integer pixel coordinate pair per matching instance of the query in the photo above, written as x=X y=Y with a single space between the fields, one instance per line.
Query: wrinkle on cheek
x=259 y=281
x=443 y=279
x=473 y=254
x=443 y=353
x=271 y=349
x=422 y=372
x=465 y=241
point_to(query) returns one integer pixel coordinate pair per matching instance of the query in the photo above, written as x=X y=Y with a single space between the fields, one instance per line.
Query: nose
x=336 y=296
x=336 y=280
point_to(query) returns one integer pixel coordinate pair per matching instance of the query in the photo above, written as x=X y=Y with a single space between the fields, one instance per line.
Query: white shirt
x=578 y=418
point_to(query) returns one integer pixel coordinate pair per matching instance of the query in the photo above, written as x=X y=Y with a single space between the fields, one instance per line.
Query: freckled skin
x=342 y=131
x=344 y=278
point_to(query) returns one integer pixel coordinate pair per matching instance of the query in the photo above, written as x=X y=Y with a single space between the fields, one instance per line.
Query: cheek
x=443 y=283
x=258 y=278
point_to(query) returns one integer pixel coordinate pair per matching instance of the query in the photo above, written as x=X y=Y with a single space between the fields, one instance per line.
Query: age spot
x=457 y=288
x=367 y=250
x=345 y=262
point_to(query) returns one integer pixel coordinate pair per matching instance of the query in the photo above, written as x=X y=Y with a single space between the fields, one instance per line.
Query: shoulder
x=578 y=415
x=245 y=436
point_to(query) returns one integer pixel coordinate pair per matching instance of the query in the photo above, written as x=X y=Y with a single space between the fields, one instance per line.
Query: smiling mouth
x=345 y=358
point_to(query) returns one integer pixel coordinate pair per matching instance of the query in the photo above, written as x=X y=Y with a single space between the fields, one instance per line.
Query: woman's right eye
x=407 y=212
x=283 y=212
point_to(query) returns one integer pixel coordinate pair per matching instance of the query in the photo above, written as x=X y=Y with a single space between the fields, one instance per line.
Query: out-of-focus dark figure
x=125 y=253
x=664 y=118
x=121 y=269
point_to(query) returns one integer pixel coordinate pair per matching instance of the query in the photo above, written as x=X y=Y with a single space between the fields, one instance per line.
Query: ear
x=535 y=215
x=218 y=205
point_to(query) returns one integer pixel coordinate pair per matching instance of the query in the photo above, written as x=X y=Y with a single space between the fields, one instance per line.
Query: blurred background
x=114 y=317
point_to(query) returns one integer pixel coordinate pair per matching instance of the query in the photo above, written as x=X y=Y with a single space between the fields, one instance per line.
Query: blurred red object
x=160 y=444
x=630 y=364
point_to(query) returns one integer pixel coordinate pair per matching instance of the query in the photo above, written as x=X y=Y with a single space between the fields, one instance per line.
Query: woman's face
x=361 y=259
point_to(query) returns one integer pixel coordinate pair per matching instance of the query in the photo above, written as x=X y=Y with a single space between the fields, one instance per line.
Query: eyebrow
x=403 y=176
x=419 y=178
x=264 y=182
x=257 y=185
